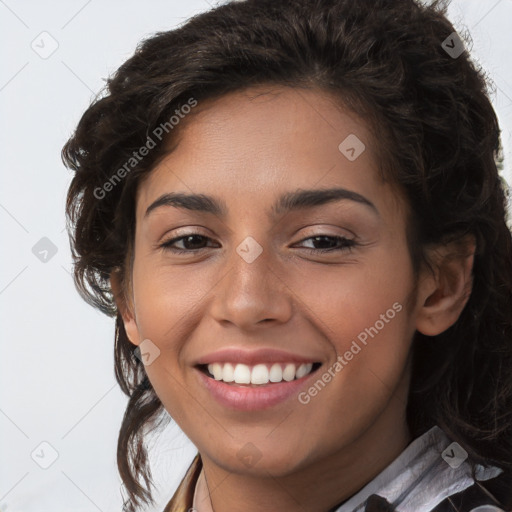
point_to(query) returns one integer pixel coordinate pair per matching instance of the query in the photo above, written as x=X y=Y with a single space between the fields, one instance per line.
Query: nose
x=252 y=293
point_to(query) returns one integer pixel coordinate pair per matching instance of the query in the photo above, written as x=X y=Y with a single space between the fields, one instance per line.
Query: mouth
x=258 y=375
x=257 y=379
x=237 y=386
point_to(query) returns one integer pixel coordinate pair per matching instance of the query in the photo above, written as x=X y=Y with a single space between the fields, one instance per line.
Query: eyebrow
x=289 y=201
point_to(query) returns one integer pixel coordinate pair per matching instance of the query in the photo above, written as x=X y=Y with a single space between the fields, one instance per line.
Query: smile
x=255 y=389
x=259 y=374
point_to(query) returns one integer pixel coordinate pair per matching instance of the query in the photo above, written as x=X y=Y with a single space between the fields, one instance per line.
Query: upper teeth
x=258 y=374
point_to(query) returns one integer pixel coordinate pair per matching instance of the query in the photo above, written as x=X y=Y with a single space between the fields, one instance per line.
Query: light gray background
x=57 y=379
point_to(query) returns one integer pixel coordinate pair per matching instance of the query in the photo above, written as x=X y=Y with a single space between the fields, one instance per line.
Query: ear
x=445 y=288
x=125 y=308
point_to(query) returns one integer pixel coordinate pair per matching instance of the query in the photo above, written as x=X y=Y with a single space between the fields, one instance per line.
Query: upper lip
x=250 y=357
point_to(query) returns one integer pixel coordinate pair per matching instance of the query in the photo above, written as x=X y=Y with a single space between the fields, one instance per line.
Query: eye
x=334 y=243
x=192 y=242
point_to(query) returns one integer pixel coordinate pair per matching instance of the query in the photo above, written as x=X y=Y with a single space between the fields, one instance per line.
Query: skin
x=247 y=148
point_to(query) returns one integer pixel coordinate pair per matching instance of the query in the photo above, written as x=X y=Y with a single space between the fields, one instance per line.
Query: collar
x=416 y=481
x=420 y=478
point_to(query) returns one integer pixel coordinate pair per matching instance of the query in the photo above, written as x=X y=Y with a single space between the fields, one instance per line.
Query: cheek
x=350 y=299
x=166 y=307
x=166 y=300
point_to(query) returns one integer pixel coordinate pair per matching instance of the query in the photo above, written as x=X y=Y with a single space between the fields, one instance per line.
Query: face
x=325 y=281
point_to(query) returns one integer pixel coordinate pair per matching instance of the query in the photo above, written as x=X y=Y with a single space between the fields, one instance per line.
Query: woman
x=294 y=211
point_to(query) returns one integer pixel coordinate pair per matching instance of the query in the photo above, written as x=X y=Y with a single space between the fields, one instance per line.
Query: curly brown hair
x=439 y=140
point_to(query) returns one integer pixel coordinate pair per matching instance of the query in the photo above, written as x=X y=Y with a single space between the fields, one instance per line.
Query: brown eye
x=330 y=243
x=192 y=242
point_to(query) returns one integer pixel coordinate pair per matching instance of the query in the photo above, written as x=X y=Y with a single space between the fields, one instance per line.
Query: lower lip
x=252 y=398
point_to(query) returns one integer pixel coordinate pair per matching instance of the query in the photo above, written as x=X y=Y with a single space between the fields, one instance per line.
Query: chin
x=256 y=460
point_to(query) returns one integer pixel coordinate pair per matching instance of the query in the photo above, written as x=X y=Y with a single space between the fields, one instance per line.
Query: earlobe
x=125 y=308
x=446 y=288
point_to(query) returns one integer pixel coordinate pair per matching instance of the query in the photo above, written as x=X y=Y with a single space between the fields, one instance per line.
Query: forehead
x=263 y=139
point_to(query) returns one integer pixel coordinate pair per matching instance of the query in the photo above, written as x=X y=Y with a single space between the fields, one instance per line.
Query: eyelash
x=347 y=244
